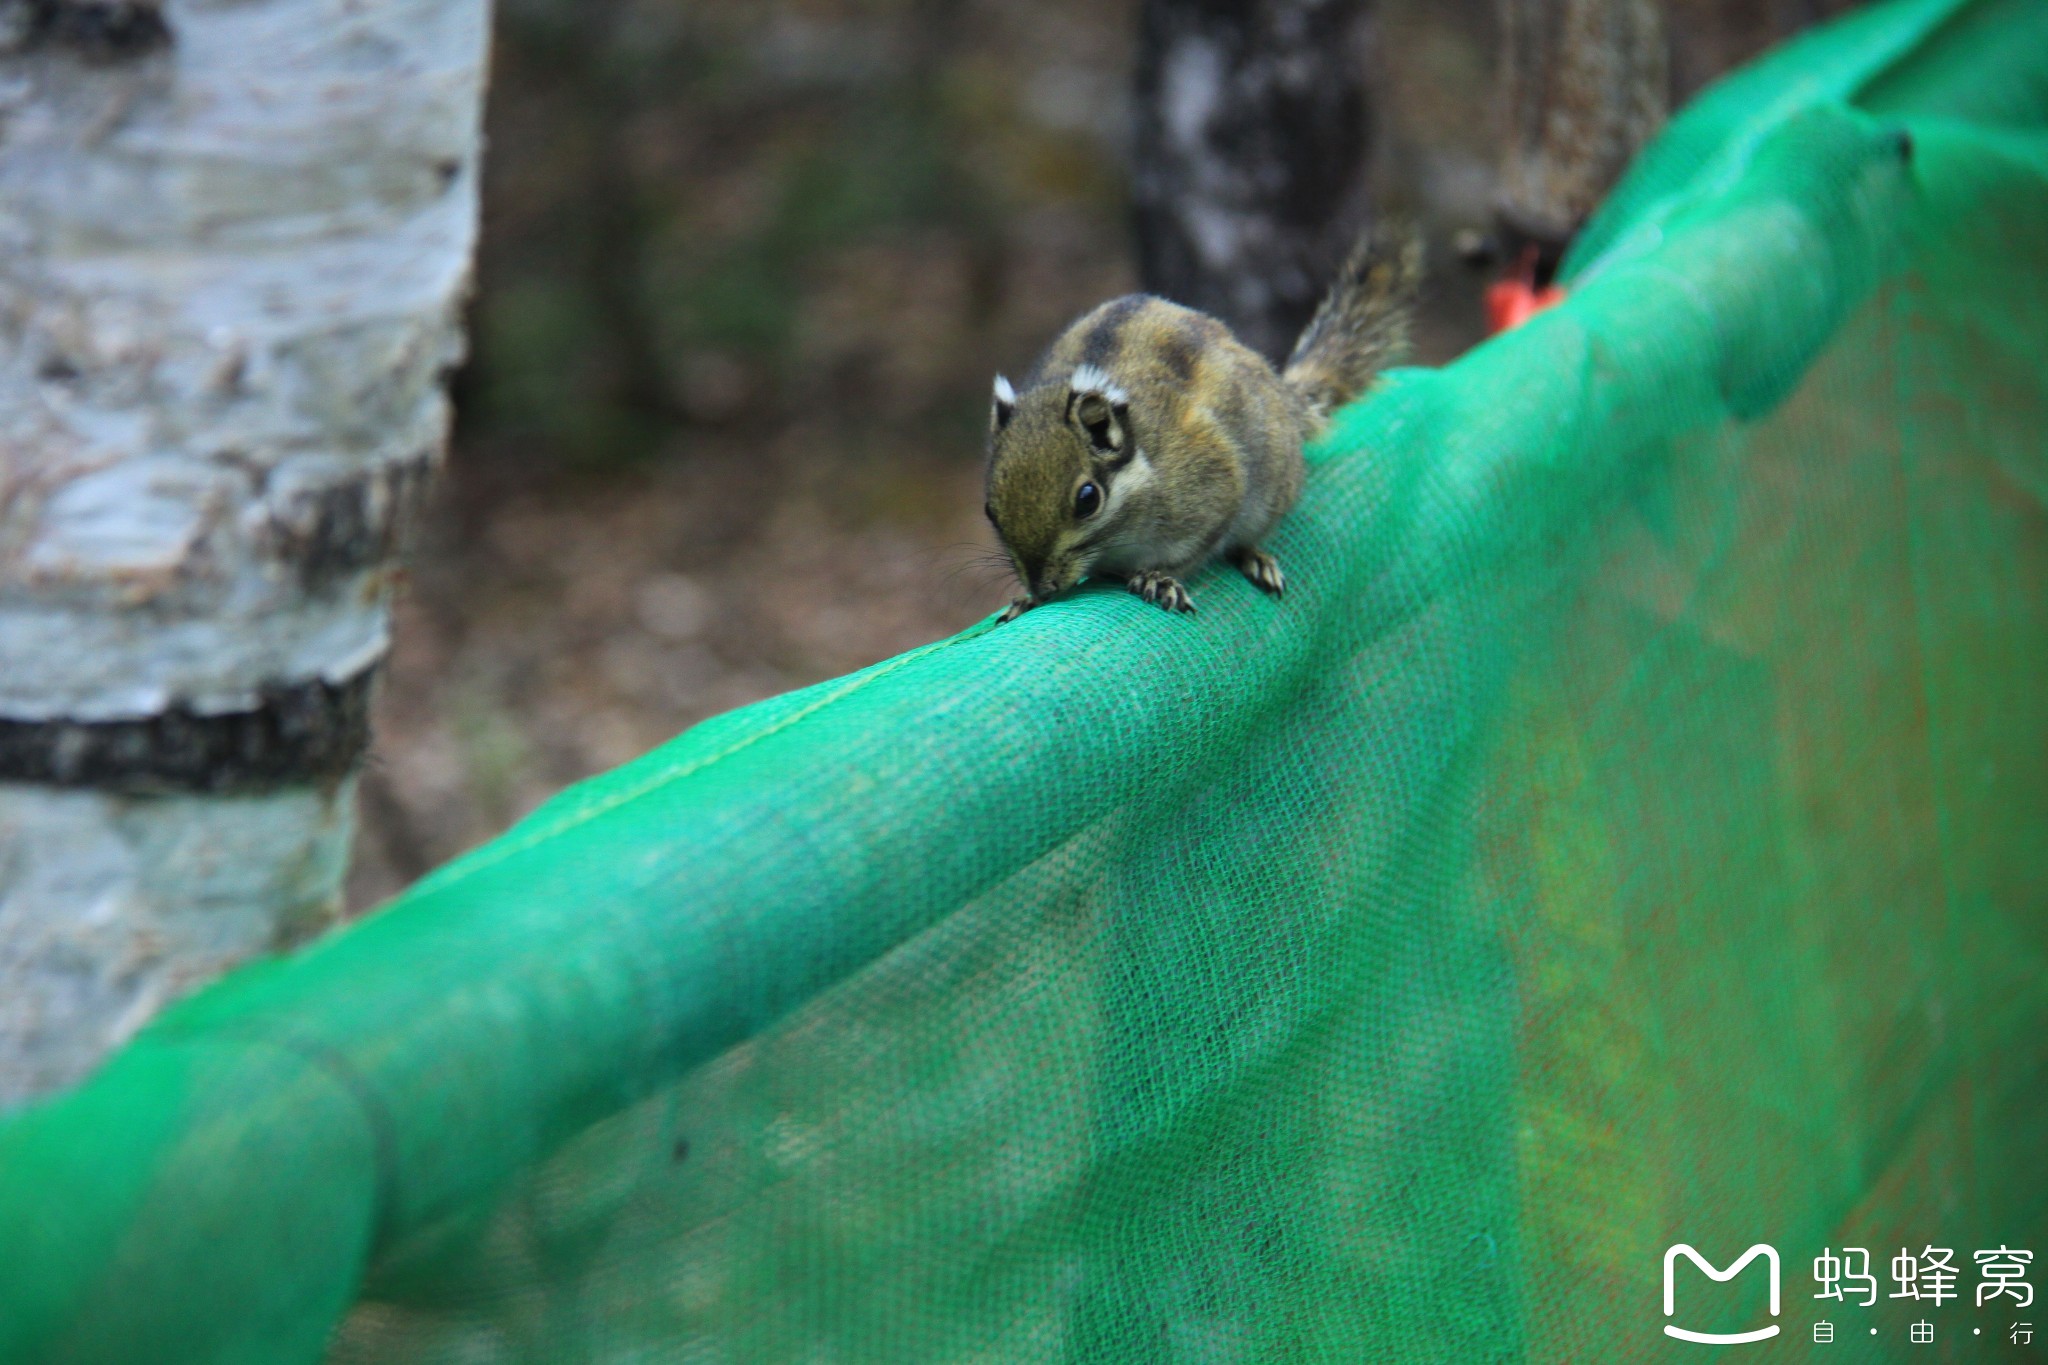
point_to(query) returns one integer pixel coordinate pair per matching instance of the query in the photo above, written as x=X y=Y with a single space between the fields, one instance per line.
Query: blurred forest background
x=747 y=267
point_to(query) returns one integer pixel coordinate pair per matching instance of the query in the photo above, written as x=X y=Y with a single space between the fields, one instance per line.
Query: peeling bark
x=234 y=240
x=1253 y=144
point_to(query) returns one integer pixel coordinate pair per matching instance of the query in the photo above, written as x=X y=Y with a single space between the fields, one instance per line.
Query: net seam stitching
x=510 y=847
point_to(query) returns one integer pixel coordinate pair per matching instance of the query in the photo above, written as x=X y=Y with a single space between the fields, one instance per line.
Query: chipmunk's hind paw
x=1261 y=568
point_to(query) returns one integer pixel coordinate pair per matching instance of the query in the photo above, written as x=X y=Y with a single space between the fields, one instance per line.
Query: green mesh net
x=1631 y=829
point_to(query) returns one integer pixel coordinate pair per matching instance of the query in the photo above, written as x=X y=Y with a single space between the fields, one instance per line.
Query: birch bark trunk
x=235 y=237
x=1250 y=173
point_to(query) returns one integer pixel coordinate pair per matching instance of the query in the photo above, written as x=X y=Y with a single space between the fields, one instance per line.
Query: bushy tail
x=1362 y=325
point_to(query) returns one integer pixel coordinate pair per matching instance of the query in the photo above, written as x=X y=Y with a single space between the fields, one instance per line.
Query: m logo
x=1671 y=1255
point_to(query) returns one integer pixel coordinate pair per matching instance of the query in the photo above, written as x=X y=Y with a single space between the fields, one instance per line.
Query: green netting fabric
x=1632 y=828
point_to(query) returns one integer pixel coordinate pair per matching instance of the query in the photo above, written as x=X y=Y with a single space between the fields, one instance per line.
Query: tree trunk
x=234 y=240
x=1587 y=83
x=1584 y=85
x=1253 y=144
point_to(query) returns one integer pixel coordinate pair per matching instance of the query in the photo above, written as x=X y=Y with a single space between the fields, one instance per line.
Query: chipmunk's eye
x=1087 y=500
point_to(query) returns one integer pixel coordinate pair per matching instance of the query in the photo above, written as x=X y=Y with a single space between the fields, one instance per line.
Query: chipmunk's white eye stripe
x=1005 y=394
x=1095 y=379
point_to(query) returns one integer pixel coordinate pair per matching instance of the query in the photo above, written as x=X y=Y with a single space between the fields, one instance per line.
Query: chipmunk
x=1149 y=440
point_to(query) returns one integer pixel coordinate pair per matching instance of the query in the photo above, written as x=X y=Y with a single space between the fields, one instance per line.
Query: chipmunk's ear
x=1005 y=406
x=1099 y=405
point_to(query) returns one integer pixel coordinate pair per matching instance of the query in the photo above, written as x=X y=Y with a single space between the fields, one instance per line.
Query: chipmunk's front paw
x=1161 y=590
x=1018 y=606
x=1261 y=568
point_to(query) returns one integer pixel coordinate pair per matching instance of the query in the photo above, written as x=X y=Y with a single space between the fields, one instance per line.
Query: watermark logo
x=1931 y=1277
x=1671 y=1255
